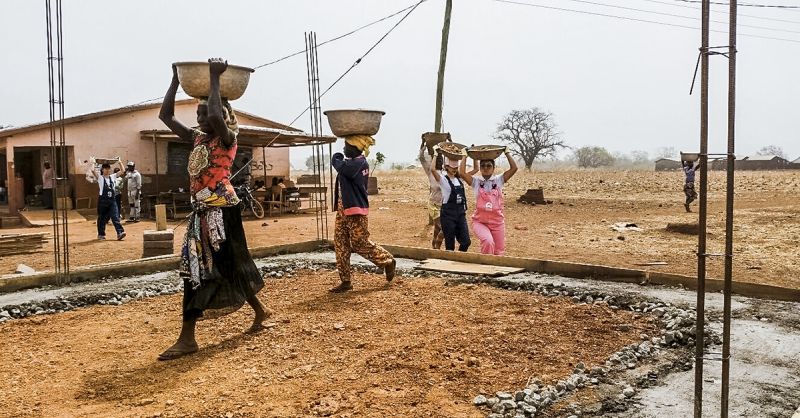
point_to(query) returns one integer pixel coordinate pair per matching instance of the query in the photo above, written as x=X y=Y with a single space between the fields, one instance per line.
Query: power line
x=678 y=16
x=337 y=37
x=766 y=6
x=344 y=35
x=633 y=19
x=357 y=61
x=686 y=6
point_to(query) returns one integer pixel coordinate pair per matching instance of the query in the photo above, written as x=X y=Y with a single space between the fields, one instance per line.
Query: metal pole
x=726 y=315
x=702 y=222
x=155 y=149
x=442 y=61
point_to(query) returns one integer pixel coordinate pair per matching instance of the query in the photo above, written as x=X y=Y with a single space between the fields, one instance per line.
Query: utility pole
x=442 y=61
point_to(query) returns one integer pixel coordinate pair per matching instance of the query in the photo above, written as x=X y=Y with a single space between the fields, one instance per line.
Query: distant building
x=795 y=164
x=666 y=164
x=132 y=133
x=762 y=162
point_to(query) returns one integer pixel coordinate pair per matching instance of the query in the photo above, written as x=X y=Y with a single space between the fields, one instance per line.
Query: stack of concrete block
x=158 y=243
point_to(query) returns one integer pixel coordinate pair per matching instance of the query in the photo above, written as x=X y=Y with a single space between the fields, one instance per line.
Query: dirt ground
x=416 y=348
x=576 y=227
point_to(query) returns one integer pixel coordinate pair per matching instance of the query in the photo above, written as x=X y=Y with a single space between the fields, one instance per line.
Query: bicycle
x=248 y=201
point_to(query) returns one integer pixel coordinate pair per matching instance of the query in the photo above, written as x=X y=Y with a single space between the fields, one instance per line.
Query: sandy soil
x=576 y=227
x=418 y=348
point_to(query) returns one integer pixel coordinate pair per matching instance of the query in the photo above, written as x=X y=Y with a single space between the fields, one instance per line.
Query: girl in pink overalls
x=488 y=221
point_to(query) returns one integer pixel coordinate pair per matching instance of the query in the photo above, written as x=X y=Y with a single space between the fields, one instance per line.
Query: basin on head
x=346 y=122
x=195 y=81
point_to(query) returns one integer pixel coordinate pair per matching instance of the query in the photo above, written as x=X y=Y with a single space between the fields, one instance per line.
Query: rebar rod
x=729 y=196
x=703 y=213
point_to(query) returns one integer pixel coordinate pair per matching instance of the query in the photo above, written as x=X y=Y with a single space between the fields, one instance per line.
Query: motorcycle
x=248 y=201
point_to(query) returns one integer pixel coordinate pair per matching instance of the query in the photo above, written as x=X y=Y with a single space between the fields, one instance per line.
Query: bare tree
x=531 y=134
x=773 y=150
x=666 y=152
x=640 y=157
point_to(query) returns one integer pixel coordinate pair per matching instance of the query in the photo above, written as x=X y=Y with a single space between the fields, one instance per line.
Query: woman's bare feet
x=179 y=349
x=262 y=313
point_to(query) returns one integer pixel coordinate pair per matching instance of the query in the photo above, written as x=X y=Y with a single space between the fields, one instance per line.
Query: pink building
x=132 y=133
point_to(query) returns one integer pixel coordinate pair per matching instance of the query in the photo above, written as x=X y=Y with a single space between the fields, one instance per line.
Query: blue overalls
x=454 y=218
x=107 y=209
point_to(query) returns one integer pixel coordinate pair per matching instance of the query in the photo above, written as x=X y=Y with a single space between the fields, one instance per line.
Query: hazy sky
x=614 y=83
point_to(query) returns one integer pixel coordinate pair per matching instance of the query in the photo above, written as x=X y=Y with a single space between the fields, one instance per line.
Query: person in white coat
x=134 y=185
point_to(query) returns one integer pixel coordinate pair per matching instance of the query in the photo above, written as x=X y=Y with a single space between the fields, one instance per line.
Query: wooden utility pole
x=442 y=61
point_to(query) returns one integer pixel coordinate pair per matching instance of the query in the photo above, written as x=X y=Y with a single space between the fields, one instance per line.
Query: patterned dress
x=219 y=274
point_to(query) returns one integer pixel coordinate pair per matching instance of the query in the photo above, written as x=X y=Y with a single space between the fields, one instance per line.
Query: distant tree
x=380 y=158
x=773 y=150
x=666 y=152
x=592 y=157
x=326 y=159
x=640 y=157
x=531 y=134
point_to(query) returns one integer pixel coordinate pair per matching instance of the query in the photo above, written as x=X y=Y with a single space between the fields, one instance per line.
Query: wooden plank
x=45 y=217
x=448 y=266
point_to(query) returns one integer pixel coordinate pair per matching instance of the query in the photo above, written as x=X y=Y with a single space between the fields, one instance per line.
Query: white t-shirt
x=494 y=182
x=112 y=178
x=446 y=190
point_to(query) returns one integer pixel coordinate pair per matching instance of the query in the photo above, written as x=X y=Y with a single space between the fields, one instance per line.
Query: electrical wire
x=357 y=61
x=686 y=6
x=633 y=19
x=337 y=37
x=678 y=16
x=766 y=6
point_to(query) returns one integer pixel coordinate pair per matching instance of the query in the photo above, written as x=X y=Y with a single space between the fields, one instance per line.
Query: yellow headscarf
x=362 y=142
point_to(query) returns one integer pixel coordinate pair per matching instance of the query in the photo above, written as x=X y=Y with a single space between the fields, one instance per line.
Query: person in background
x=454 y=206
x=429 y=165
x=351 y=233
x=688 y=185
x=134 y=184
x=488 y=220
x=48 y=180
x=118 y=182
x=107 y=203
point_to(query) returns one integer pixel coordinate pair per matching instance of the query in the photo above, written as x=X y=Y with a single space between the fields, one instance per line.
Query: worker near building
x=48 y=182
x=453 y=215
x=107 y=208
x=688 y=185
x=134 y=184
x=218 y=270
x=488 y=220
x=118 y=184
x=351 y=233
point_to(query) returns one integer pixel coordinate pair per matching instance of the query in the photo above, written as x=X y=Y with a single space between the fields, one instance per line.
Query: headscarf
x=362 y=142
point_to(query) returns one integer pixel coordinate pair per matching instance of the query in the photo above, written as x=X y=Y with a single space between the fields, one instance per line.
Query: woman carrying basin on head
x=488 y=220
x=219 y=273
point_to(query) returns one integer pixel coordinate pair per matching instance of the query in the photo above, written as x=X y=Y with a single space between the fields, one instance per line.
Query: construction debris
x=683 y=228
x=625 y=226
x=534 y=197
x=11 y=244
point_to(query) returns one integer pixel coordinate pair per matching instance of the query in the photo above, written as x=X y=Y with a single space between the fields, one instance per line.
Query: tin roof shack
x=122 y=132
x=667 y=164
x=795 y=164
x=762 y=162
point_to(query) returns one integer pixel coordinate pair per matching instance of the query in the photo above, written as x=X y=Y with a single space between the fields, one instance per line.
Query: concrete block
x=151 y=245
x=161 y=217
x=155 y=252
x=166 y=235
